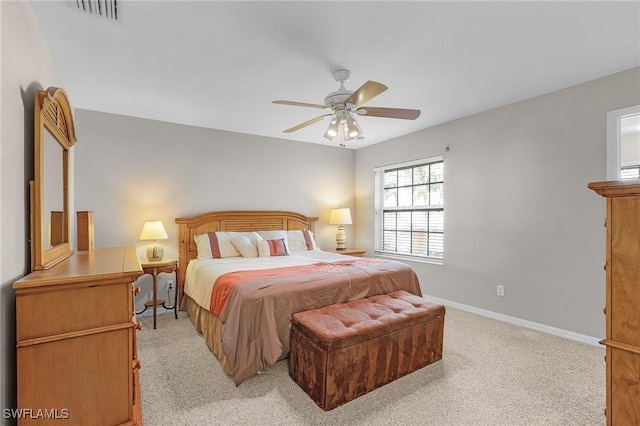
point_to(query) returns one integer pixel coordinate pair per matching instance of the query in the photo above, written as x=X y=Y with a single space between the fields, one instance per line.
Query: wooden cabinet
x=76 y=341
x=358 y=252
x=622 y=307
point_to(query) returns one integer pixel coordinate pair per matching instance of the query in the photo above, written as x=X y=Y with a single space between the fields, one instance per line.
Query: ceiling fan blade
x=304 y=104
x=365 y=93
x=307 y=123
x=406 y=114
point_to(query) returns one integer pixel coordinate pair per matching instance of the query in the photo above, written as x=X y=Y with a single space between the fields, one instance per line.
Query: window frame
x=379 y=210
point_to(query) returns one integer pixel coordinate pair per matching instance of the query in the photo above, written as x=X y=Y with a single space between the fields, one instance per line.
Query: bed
x=246 y=316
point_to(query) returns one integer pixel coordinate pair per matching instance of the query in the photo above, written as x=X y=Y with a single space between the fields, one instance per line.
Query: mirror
x=50 y=212
x=53 y=193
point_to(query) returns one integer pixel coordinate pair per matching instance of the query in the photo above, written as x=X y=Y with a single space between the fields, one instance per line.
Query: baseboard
x=582 y=338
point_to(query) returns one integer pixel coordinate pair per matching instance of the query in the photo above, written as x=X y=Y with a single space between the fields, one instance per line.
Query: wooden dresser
x=622 y=307
x=76 y=341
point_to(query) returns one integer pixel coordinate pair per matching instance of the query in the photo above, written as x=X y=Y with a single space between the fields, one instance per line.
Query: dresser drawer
x=72 y=307
x=624 y=372
x=87 y=379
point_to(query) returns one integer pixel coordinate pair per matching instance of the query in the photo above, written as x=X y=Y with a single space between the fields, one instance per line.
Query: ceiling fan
x=345 y=105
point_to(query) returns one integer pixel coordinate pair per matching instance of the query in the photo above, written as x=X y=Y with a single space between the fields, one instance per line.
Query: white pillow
x=246 y=246
x=301 y=240
x=275 y=235
x=272 y=235
x=273 y=247
x=215 y=245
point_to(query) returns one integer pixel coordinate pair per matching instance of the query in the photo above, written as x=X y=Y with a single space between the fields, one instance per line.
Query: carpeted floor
x=492 y=373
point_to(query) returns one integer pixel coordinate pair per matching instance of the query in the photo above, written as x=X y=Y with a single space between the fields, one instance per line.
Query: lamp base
x=341 y=239
x=155 y=252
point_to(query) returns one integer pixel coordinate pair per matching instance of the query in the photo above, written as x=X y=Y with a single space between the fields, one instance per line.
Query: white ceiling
x=220 y=64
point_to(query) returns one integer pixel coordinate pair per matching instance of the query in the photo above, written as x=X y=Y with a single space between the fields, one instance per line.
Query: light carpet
x=491 y=373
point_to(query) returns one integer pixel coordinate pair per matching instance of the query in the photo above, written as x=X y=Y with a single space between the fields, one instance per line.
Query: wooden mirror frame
x=52 y=114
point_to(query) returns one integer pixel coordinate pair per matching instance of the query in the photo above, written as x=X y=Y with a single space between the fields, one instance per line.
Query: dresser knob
x=139 y=325
x=605 y=267
x=137 y=364
x=136 y=291
x=605 y=411
x=604 y=309
x=605 y=358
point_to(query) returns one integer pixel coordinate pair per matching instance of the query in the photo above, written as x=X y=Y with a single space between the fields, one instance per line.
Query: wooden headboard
x=232 y=220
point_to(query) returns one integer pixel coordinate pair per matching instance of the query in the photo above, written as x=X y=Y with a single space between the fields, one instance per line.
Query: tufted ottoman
x=340 y=352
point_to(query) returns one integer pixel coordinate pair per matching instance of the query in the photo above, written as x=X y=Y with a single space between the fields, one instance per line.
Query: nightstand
x=153 y=269
x=358 y=252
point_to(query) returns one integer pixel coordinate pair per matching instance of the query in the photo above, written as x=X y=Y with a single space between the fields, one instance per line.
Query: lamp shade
x=341 y=216
x=332 y=131
x=351 y=128
x=153 y=230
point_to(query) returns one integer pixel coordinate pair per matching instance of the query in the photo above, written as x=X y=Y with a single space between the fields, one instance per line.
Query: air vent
x=105 y=8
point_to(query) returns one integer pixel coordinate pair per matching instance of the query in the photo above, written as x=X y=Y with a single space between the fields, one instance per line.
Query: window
x=629 y=146
x=630 y=172
x=409 y=209
x=623 y=143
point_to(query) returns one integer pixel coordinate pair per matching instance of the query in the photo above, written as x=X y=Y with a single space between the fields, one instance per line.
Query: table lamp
x=154 y=230
x=340 y=217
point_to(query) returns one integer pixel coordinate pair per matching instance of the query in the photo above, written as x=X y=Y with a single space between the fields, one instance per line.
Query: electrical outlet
x=169 y=284
x=500 y=290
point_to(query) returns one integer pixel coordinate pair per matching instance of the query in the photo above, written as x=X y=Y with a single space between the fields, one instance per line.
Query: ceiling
x=220 y=64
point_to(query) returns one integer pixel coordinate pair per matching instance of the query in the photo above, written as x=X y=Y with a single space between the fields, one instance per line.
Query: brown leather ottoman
x=343 y=351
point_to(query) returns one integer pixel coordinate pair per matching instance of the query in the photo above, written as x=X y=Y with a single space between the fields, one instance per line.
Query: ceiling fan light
x=332 y=131
x=330 y=135
x=358 y=127
x=351 y=127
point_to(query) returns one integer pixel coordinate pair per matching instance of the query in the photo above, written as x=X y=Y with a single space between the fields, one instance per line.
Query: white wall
x=26 y=68
x=129 y=170
x=517 y=208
